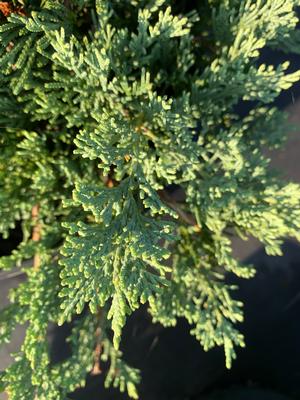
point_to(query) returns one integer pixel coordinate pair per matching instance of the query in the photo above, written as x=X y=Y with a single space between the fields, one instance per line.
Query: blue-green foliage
x=103 y=104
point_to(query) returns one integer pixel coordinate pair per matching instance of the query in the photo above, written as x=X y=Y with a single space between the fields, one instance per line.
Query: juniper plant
x=103 y=105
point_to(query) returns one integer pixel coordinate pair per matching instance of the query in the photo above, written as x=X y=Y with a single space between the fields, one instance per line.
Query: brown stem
x=184 y=216
x=98 y=349
x=36 y=233
x=97 y=353
x=110 y=183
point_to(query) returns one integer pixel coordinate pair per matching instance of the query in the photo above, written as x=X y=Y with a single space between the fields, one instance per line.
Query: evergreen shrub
x=104 y=106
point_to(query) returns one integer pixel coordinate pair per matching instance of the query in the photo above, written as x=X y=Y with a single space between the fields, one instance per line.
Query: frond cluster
x=103 y=106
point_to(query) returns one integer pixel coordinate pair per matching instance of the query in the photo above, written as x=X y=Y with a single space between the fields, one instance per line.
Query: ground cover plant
x=105 y=106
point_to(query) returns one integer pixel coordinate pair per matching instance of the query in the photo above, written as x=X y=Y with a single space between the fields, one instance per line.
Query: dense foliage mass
x=103 y=106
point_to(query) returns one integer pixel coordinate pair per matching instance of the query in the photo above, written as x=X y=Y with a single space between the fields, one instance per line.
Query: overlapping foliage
x=103 y=105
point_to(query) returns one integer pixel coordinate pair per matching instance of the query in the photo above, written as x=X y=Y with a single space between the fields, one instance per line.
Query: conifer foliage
x=103 y=105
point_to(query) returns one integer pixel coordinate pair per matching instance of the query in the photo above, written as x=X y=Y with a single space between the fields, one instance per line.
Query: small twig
x=97 y=353
x=108 y=180
x=36 y=234
x=98 y=349
x=145 y=131
x=188 y=218
x=3 y=277
x=110 y=183
x=184 y=216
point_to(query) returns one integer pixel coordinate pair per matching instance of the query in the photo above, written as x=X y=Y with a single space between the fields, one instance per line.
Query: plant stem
x=188 y=218
x=98 y=349
x=36 y=234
